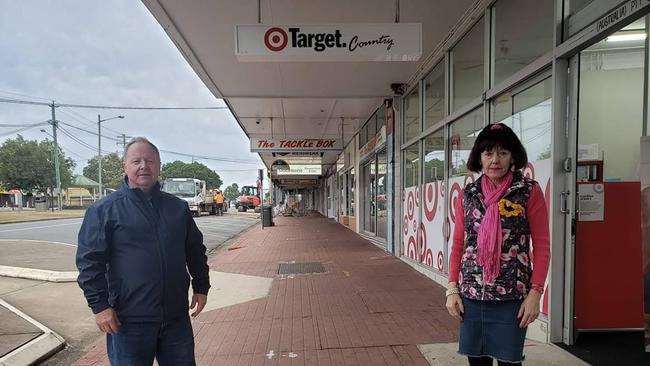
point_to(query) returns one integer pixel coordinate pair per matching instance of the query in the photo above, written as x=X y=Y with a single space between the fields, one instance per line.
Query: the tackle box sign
x=295 y=145
x=325 y=43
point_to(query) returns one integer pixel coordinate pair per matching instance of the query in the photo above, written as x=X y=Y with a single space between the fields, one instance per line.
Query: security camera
x=257 y=121
x=398 y=88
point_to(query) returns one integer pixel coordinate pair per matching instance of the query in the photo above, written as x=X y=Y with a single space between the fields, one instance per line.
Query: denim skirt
x=491 y=328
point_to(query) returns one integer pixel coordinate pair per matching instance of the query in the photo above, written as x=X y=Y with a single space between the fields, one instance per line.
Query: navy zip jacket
x=134 y=254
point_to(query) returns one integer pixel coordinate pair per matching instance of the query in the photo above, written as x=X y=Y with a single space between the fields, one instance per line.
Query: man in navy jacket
x=136 y=251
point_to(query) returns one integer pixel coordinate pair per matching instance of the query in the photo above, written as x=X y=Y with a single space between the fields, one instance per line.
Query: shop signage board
x=262 y=145
x=380 y=138
x=298 y=169
x=374 y=144
x=368 y=148
x=591 y=202
x=328 y=42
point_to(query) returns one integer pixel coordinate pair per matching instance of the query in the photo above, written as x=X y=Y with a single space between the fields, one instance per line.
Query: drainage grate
x=300 y=268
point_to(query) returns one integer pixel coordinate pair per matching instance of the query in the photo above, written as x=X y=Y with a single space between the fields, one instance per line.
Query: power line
x=24 y=95
x=18 y=101
x=88 y=131
x=26 y=127
x=210 y=157
x=82 y=143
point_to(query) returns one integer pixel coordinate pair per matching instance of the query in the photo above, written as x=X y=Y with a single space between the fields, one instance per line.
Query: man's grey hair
x=139 y=139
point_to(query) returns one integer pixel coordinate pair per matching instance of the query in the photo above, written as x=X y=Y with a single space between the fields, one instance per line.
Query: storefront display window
x=350 y=195
x=523 y=32
x=412 y=166
x=528 y=113
x=468 y=67
x=434 y=157
x=434 y=96
x=411 y=115
x=462 y=134
x=381 y=200
x=369 y=196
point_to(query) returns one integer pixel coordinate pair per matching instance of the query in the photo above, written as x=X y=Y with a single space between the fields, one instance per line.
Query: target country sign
x=329 y=42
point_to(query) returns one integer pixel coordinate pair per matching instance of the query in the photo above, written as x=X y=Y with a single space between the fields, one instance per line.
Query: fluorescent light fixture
x=623 y=37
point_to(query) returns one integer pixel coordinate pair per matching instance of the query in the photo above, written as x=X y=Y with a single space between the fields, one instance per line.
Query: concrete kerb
x=38 y=274
x=40 y=219
x=35 y=350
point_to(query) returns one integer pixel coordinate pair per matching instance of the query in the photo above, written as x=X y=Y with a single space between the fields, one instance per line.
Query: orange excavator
x=249 y=198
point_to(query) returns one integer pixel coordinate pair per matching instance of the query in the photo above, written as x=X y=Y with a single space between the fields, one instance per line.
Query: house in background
x=82 y=192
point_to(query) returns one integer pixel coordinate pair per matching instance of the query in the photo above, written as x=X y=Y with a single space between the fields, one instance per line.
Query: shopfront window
x=434 y=157
x=381 y=118
x=369 y=170
x=529 y=114
x=523 y=32
x=411 y=166
x=363 y=136
x=468 y=67
x=342 y=201
x=372 y=127
x=411 y=115
x=434 y=96
x=382 y=197
x=462 y=134
x=351 y=192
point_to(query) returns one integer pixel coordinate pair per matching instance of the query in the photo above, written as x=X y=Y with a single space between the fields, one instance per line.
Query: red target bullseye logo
x=275 y=39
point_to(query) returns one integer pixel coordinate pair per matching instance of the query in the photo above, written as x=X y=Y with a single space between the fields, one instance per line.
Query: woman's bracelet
x=537 y=288
x=452 y=291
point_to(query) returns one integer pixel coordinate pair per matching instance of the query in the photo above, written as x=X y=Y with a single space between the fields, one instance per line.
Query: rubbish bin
x=267 y=216
x=40 y=206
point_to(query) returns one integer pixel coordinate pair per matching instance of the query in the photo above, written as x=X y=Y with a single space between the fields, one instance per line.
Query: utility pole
x=99 y=150
x=99 y=154
x=56 y=157
x=123 y=143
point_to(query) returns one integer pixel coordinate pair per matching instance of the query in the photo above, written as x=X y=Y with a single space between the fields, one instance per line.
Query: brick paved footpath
x=368 y=308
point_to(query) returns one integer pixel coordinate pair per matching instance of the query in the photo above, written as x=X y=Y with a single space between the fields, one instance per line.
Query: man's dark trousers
x=137 y=343
x=220 y=209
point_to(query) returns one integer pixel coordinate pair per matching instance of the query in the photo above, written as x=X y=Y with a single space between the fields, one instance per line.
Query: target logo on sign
x=275 y=39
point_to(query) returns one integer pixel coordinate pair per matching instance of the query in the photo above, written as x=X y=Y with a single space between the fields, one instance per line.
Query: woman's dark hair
x=497 y=135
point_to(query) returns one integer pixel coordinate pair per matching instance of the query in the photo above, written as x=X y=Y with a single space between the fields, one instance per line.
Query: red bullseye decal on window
x=529 y=171
x=468 y=179
x=441 y=262
x=453 y=196
x=431 y=197
x=275 y=39
x=411 y=248
x=410 y=205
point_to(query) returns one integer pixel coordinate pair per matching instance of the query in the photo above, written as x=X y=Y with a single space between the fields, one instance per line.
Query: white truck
x=194 y=192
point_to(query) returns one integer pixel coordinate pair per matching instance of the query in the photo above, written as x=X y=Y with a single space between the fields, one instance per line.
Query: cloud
x=111 y=53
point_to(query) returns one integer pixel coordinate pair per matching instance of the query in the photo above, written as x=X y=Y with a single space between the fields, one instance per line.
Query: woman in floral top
x=495 y=283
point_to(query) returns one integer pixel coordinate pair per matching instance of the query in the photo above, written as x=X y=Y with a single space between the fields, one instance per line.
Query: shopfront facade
x=572 y=82
x=570 y=77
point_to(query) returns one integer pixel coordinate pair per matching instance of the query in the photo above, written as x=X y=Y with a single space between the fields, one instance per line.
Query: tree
x=179 y=169
x=112 y=170
x=231 y=192
x=28 y=165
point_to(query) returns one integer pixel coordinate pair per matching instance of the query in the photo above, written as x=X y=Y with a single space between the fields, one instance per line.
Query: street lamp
x=99 y=149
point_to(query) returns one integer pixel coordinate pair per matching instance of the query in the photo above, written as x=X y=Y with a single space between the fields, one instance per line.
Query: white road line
x=40 y=241
x=39 y=227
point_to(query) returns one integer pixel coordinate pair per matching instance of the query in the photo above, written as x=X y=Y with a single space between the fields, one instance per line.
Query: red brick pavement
x=368 y=308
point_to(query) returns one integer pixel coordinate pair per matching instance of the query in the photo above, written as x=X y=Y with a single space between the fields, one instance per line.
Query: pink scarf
x=490 y=236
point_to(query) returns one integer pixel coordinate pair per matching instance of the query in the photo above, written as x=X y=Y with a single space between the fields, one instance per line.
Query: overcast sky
x=111 y=53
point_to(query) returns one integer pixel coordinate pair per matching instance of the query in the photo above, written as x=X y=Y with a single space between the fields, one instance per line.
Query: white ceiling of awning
x=309 y=100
